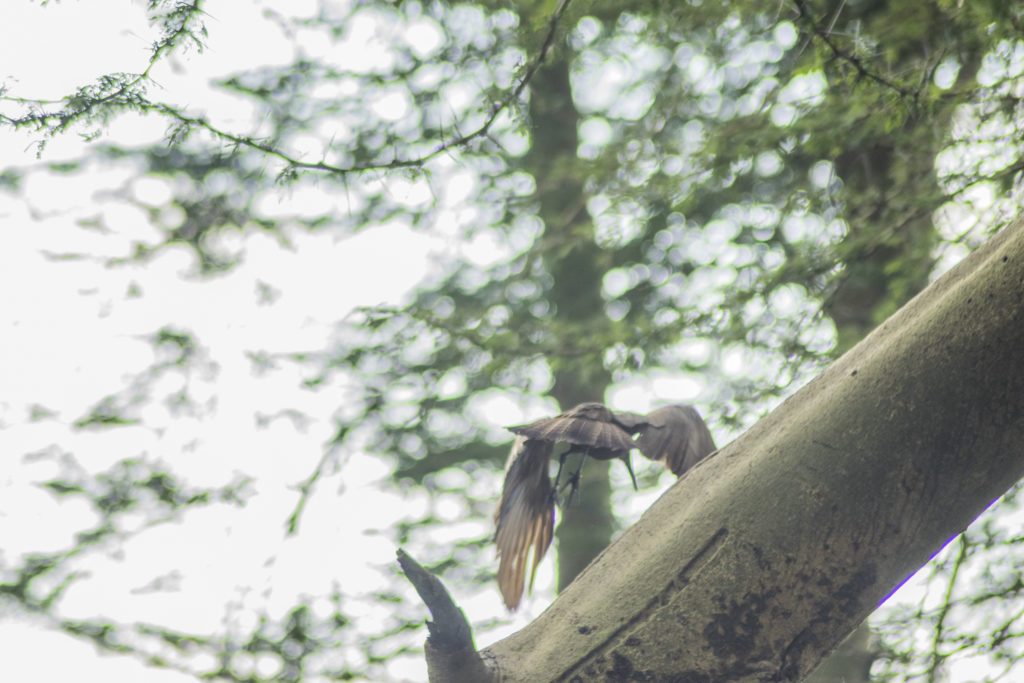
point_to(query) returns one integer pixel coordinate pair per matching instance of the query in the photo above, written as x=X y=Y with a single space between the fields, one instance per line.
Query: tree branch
x=842 y=55
x=947 y=602
x=130 y=94
x=451 y=654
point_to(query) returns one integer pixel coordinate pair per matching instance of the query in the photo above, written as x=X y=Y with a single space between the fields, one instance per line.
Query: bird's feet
x=574 y=488
x=553 y=498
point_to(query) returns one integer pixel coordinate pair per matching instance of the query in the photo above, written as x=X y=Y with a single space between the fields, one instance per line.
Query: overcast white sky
x=70 y=336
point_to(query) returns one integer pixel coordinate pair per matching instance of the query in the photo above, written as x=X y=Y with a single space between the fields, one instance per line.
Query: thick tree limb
x=758 y=562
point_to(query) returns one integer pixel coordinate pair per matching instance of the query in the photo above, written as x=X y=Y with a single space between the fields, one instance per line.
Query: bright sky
x=70 y=336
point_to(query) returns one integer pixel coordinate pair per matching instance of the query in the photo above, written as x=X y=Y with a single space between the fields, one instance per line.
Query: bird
x=589 y=428
x=675 y=435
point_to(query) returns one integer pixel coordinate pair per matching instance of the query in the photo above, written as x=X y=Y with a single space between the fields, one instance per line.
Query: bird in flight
x=674 y=435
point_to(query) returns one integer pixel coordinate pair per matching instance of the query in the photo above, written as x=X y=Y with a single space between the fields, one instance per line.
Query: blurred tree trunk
x=587 y=525
x=890 y=187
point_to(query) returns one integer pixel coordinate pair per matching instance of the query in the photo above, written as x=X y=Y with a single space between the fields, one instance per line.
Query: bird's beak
x=629 y=466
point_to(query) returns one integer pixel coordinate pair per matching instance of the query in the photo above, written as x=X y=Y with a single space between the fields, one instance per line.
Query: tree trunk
x=587 y=524
x=761 y=559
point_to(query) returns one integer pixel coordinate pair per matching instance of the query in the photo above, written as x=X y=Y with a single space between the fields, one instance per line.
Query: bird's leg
x=574 y=480
x=561 y=464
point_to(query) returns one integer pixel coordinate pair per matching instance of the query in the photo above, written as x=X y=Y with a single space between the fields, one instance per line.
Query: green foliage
x=724 y=192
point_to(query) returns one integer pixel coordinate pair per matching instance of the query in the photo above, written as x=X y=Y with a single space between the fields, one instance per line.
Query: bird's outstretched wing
x=631 y=422
x=525 y=518
x=588 y=424
x=675 y=435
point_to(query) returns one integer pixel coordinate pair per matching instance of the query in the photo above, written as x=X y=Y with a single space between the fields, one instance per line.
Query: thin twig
x=306 y=488
x=125 y=91
x=940 y=620
x=838 y=53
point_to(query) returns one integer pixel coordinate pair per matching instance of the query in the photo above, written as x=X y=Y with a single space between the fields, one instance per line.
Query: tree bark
x=760 y=560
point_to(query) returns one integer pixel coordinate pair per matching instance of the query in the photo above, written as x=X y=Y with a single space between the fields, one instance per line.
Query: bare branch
x=451 y=654
x=853 y=60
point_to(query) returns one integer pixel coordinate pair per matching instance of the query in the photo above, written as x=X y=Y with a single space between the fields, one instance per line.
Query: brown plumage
x=675 y=435
x=589 y=428
x=525 y=517
x=588 y=425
